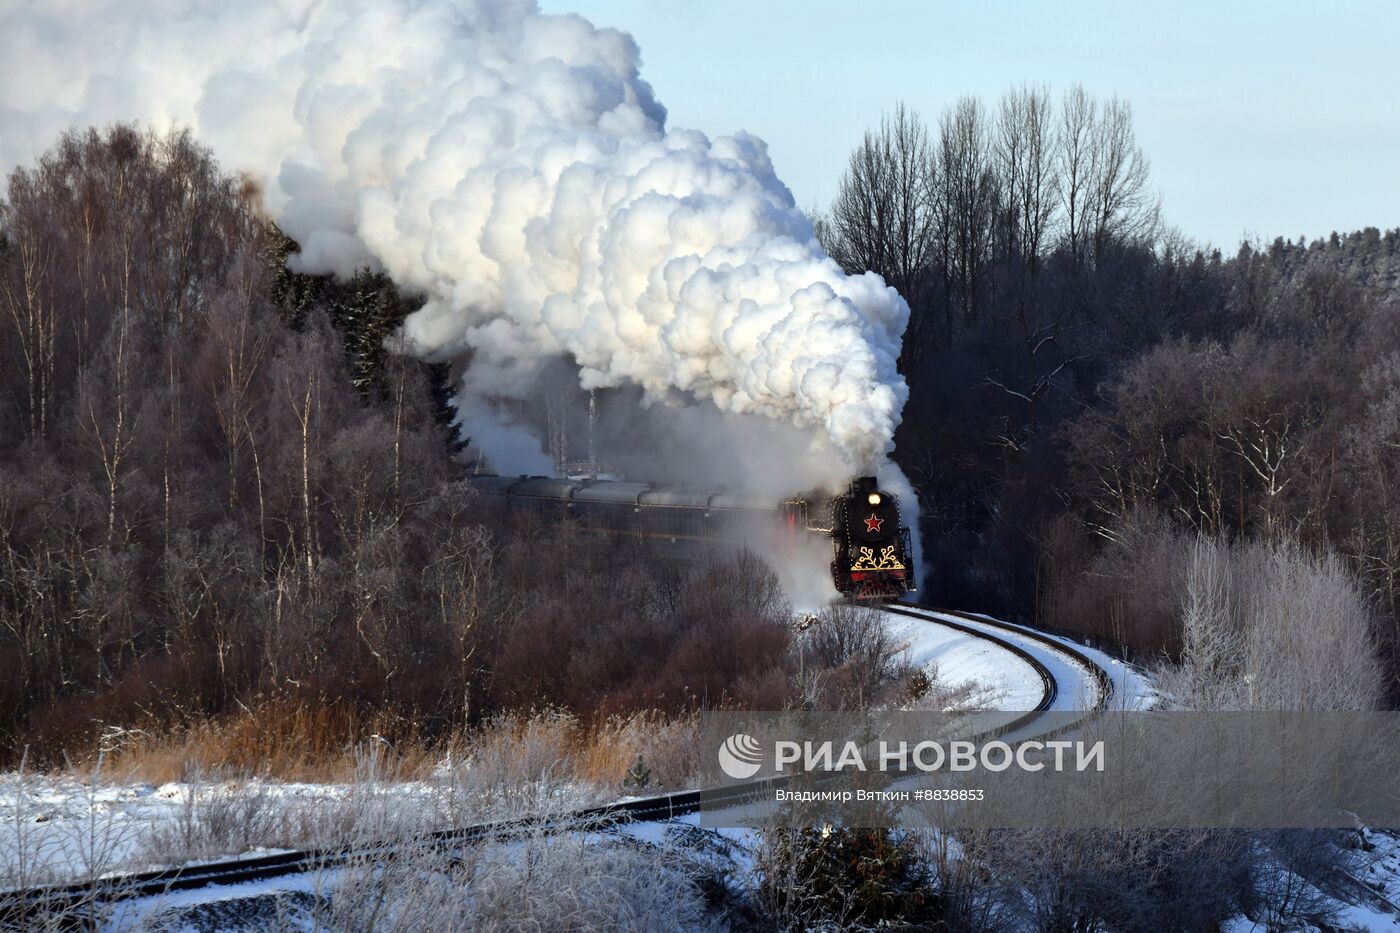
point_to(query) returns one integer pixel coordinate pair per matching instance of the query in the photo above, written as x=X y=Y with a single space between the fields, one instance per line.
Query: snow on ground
x=68 y=826
x=959 y=658
x=72 y=826
x=1379 y=871
x=65 y=827
x=1382 y=874
x=1132 y=687
x=252 y=905
x=239 y=902
x=1352 y=917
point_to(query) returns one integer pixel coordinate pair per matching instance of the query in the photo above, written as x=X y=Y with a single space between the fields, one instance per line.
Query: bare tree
x=882 y=219
x=1267 y=625
x=1122 y=207
x=1104 y=176
x=1078 y=121
x=1308 y=630
x=26 y=296
x=859 y=657
x=1212 y=652
x=1025 y=154
x=966 y=200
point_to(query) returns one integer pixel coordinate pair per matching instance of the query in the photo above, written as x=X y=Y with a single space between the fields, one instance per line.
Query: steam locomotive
x=873 y=558
x=871 y=555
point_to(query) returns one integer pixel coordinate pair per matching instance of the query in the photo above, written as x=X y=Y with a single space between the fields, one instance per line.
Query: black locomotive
x=872 y=558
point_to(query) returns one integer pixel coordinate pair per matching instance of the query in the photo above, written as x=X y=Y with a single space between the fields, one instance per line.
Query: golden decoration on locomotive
x=886 y=561
x=872 y=524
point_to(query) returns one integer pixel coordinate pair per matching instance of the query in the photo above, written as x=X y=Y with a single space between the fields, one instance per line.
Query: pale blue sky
x=1271 y=119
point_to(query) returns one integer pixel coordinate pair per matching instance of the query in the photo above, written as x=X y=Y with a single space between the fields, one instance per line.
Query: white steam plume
x=514 y=167
x=509 y=447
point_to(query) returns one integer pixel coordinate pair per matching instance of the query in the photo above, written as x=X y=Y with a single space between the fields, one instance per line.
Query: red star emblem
x=872 y=524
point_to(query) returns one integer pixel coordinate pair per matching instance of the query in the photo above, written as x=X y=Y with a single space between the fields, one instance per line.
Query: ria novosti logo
x=740 y=756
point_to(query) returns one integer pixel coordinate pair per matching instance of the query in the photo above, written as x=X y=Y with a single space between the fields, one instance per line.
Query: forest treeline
x=1090 y=391
x=219 y=489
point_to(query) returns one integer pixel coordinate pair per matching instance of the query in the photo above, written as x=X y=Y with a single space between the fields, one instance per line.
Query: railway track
x=977 y=626
x=19 y=906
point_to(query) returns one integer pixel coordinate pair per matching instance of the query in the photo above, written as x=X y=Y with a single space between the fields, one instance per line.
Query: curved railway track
x=976 y=626
x=19 y=906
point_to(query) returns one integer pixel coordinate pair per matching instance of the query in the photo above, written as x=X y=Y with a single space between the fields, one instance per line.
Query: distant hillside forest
x=1091 y=392
x=218 y=488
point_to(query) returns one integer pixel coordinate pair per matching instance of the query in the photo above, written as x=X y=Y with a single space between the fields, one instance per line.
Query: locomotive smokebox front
x=865 y=489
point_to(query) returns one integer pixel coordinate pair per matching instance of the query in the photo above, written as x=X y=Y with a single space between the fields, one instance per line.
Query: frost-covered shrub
x=560 y=882
x=1270 y=625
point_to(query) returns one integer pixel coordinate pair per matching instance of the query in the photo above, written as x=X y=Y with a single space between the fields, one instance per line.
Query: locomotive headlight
x=873 y=498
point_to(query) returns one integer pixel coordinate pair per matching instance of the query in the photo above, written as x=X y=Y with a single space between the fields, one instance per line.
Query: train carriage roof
x=544 y=487
x=619 y=493
x=730 y=500
x=676 y=498
x=606 y=491
x=492 y=485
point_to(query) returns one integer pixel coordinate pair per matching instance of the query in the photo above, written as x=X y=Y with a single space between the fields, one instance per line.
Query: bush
x=1269 y=625
x=1115 y=880
x=849 y=659
x=844 y=879
x=557 y=882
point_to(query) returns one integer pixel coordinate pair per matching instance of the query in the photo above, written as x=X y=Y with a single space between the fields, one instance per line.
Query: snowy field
x=63 y=827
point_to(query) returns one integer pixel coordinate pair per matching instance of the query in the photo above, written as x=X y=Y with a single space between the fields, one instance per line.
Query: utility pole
x=592 y=419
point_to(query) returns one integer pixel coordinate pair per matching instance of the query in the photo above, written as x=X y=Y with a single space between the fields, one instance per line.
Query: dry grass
x=326 y=744
x=665 y=746
x=283 y=740
x=227 y=799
